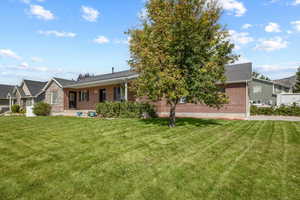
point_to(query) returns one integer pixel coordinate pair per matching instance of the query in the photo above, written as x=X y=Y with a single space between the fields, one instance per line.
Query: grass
x=73 y=158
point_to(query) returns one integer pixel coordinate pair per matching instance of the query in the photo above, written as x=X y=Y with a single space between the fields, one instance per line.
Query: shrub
x=125 y=110
x=282 y=110
x=42 y=109
x=15 y=108
x=22 y=111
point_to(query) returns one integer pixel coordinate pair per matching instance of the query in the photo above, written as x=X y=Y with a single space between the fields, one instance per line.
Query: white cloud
x=296 y=25
x=234 y=6
x=122 y=41
x=41 y=13
x=240 y=38
x=58 y=33
x=273 y=68
x=246 y=26
x=24 y=65
x=296 y=2
x=9 y=53
x=36 y=59
x=90 y=14
x=101 y=40
x=272 y=28
x=272 y=44
x=242 y=59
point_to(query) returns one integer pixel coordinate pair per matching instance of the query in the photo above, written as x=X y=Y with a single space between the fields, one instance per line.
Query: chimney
x=112 y=70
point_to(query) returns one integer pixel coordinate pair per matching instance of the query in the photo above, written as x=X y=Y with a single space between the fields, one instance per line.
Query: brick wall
x=237 y=94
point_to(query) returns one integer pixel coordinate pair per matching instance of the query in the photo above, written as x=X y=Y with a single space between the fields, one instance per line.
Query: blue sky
x=45 y=38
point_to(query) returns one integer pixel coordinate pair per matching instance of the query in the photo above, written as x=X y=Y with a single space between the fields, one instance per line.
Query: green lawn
x=73 y=158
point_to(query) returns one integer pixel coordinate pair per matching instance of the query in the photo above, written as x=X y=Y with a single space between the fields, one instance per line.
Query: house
x=27 y=94
x=289 y=82
x=4 y=102
x=65 y=95
x=264 y=92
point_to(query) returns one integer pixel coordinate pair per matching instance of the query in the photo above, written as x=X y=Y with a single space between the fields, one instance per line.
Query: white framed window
x=54 y=97
x=84 y=95
x=257 y=89
x=182 y=100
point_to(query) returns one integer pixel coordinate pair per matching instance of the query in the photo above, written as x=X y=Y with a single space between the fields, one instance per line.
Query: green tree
x=180 y=51
x=297 y=86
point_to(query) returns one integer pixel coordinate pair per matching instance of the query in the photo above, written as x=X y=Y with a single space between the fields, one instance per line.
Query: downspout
x=247 y=100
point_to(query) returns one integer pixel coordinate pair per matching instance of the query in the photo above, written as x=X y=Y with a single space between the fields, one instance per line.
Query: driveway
x=274 y=118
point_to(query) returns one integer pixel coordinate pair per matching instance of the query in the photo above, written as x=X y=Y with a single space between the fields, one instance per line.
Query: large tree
x=297 y=86
x=180 y=51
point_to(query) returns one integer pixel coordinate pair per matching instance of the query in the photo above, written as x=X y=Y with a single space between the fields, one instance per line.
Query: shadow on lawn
x=182 y=122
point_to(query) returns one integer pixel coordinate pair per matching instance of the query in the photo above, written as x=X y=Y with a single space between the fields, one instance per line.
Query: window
x=102 y=97
x=117 y=94
x=84 y=95
x=257 y=89
x=54 y=97
x=182 y=100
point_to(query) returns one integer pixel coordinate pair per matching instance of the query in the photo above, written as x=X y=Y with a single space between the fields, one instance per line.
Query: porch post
x=126 y=91
x=10 y=103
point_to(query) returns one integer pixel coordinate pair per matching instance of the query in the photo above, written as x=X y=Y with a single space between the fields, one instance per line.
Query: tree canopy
x=180 y=51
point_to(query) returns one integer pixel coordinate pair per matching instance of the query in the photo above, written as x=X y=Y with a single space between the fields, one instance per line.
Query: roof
x=289 y=82
x=4 y=90
x=64 y=82
x=238 y=72
x=35 y=87
x=115 y=75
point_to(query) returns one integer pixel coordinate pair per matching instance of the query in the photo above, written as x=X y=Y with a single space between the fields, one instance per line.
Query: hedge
x=125 y=110
x=15 y=108
x=42 y=109
x=282 y=110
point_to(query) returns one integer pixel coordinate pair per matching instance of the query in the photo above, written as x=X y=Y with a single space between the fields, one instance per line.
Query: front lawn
x=72 y=158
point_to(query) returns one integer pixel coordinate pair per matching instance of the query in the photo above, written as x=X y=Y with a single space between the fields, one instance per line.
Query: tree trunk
x=172 y=117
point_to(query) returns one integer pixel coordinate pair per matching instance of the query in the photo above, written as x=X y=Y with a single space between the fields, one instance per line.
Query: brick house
x=66 y=95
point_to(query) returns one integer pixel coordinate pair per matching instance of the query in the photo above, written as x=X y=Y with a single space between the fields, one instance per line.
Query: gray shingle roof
x=64 y=82
x=289 y=82
x=35 y=87
x=4 y=90
x=238 y=72
x=121 y=74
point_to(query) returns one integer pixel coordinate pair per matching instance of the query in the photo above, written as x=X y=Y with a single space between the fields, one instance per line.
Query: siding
x=264 y=95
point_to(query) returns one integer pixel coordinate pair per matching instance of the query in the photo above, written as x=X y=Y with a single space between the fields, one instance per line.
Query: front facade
x=27 y=94
x=65 y=95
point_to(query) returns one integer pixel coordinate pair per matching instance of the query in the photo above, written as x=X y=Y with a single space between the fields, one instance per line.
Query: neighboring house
x=4 y=102
x=28 y=93
x=264 y=92
x=66 y=95
x=289 y=82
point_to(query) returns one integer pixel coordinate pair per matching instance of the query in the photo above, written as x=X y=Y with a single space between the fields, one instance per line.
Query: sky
x=41 y=39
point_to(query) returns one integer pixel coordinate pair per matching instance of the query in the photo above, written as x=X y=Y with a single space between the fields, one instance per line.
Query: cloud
x=296 y=2
x=247 y=26
x=36 y=59
x=276 y=68
x=240 y=38
x=90 y=14
x=272 y=44
x=58 y=33
x=41 y=13
x=234 y=6
x=9 y=53
x=101 y=40
x=122 y=41
x=296 y=25
x=272 y=28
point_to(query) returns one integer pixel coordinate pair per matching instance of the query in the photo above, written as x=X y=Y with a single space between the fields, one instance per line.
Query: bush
x=15 y=108
x=125 y=110
x=282 y=110
x=42 y=109
x=22 y=111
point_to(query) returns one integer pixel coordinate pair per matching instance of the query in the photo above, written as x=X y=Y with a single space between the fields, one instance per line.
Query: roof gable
x=34 y=87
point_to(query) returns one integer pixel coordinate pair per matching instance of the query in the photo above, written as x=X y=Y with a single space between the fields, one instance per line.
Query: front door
x=72 y=100
x=102 y=95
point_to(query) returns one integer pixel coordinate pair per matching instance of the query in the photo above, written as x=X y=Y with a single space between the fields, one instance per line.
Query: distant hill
x=290 y=81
